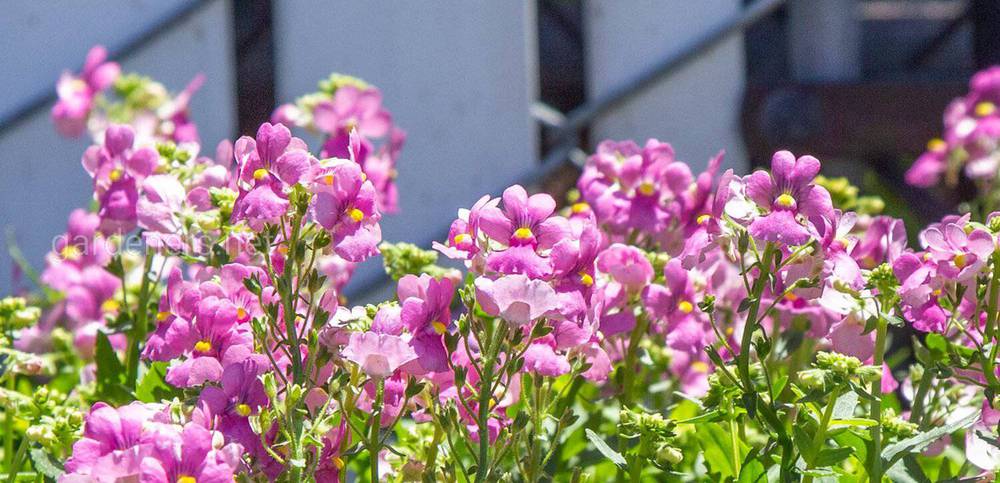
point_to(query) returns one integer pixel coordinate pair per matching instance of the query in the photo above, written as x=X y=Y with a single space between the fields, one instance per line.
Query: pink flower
x=379 y=355
x=883 y=242
x=109 y=448
x=353 y=108
x=525 y=226
x=541 y=358
x=959 y=254
x=77 y=93
x=516 y=299
x=345 y=205
x=188 y=455
x=241 y=395
x=117 y=170
x=789 y=199
x=268 y=164
x=426 y=314
x=627 y=265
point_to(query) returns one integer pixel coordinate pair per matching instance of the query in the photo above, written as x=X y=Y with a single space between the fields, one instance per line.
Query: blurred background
x=497 y=92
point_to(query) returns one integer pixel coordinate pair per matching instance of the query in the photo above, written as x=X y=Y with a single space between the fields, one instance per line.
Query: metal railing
x=565 y=128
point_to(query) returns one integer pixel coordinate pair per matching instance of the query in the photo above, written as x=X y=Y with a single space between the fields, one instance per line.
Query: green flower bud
x=668 y=456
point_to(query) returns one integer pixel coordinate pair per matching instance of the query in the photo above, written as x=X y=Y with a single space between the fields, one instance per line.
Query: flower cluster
x=718 y=326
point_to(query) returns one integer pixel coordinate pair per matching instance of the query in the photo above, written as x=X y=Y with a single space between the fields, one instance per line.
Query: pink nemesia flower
x=788 y=198
x=77 y=93
x=379 y=355
x=516 y=299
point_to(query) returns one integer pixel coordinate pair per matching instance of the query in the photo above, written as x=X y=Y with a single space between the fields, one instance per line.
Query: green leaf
x=110 y=372
x=753 y=472
x=44 y=464
x=845 y=406
x=153 y=387
x=915 y=444
x=832 y=456
x=606 y=450
x=908 y=472
x=717 y=448
x=854 y=422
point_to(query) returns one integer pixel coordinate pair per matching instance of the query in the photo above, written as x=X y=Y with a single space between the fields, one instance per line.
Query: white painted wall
x=696 y=109
x=42 y=179
x=457 y=75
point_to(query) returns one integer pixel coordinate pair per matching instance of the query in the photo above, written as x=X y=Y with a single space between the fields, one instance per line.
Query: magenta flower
x=117 y=170
x=353 y=108
x=463 y=236
x=213 y=340
x=627 y=265
x=77 y=93
x=241 y=394
x=573 y=268
x=268 y=164
x=788 y=199
x=426 y=314
x=345 y=205
x=673 y=303
x=516 y=299
x=379 y=355
x=525 y=227
x=188 y=456
x=882 y=242
x=541 y=358
x=959 y=254
x=109 y=448
x=926 y=171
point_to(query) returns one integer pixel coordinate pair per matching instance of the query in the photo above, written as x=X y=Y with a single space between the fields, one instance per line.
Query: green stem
x=17 y=460
x=917 y=412
x=875 y=472
x=629 y=364
x=820 y=437
x=8 y=425
x=290 y=305
x=374 y=445
x=989 y=364
x=139 y=329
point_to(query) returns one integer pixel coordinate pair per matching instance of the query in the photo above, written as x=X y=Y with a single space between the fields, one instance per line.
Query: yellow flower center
x=785 y=200
x=161 y=316
x=115 y=175
x=586 y=279
x=699 y=366
x=187 y=479
x=729 y=331
x=961 y=260
x=523 y=233
x=461 y=238
x=110 y=305
x=202 y=346
x=241 y=313
x=647 y=188
x=243 y=410
x=703 y=219
x=356 y=215
x=984 y=109
x=364 y=177
x=927 y=256
x=439 y=327
x=579 y=207
x=338 y=462
x=685 y=306
x=791 y=297
x=70 y=252
x=283 y=249
x=936 y=145
x=328 y=180
x=259 y=174
x=937 y=292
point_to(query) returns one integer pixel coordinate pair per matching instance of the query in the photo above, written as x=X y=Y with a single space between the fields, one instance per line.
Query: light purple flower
x=959 y=254
x=77 y=93
x=788 y=198
x=541 y=358
x=109 y=448
x=379 y=355
x=627 y=265
x=188 y=455
x=345 y=205
x=426 y=314
x=516 y=299
x=525 y=226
